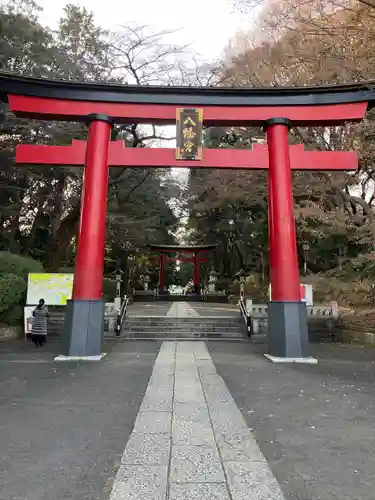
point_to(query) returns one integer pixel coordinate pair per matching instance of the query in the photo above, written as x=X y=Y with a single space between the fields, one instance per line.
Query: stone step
x=190 y=321
x=182 y=330
x=173 y=334
x=189 y=318
x=191 y=327
x=183 y=323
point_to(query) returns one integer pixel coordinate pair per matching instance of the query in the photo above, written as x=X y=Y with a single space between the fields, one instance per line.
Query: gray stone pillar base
x=287 y=331
x=83 y=330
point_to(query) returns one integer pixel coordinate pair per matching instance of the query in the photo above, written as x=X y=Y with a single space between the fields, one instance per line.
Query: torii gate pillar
x=196 y=273
x=84 y=317
x=287 y=314
x=162 y=273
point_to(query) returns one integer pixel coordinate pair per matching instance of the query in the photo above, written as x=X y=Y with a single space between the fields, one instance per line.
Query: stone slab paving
x=149 y=310
x=190 y=441
x=215 y=310
x=182 y=310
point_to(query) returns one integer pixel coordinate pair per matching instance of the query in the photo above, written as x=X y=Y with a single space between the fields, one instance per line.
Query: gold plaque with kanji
x=189 y=128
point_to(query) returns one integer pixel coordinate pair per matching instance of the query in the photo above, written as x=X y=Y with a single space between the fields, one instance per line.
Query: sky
x=205 y=24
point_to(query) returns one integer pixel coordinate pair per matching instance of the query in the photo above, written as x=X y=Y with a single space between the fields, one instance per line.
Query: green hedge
x=12 y=290
x=14 y=316
x=13 y=285
x=109 y=289
x=16 y=264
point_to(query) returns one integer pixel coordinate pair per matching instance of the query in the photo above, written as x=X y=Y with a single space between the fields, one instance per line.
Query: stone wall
x=356 y=332
x=10 y=332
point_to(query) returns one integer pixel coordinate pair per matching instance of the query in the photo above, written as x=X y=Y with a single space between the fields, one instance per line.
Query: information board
x=55 y=289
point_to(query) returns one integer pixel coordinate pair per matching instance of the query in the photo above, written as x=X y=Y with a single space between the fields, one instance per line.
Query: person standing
x=39 y=326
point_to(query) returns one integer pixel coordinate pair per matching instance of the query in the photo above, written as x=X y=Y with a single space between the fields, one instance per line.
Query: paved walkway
x=153 y=309
x=182 y=309
x=190 y=431
x=190 y=440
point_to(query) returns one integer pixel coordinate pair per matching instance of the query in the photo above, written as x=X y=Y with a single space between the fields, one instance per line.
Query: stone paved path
x=203 y=309
x=64 y=427
x=182 y=310
x=190 y=440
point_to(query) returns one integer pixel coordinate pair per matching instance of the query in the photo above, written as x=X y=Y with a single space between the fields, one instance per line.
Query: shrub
x=255 y=288
x=18 y=265
x=12 y=290
x=109 y=289
x=14 y=315
x=13 y=273
x=352 y=293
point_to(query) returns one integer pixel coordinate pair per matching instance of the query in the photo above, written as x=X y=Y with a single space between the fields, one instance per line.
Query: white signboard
x=55 y=289
x=306 y=294
x=28 y=318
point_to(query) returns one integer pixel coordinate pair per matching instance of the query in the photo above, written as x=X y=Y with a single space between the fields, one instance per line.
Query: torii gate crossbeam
x=237 y=159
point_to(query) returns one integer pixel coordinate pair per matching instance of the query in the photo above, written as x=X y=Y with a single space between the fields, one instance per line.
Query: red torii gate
x=196 y=250
x=102 y=105
x=163 y=260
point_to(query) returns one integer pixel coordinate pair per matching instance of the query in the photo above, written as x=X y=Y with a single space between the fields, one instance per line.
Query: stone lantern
x=306 y=248
x=241 y=276
x=146 y=280
x=212 y=280
x=118 y=278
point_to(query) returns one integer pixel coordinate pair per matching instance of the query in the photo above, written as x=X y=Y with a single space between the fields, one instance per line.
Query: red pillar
x=84 y=316
x=270 y=225
x=162 y=272
x=80 y=216
x=287 y=315
x=196 y=270
x=285 y=280
x=88 y=275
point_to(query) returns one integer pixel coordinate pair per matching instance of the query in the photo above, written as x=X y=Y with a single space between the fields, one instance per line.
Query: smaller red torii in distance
x=163 y=259
x=196 y=250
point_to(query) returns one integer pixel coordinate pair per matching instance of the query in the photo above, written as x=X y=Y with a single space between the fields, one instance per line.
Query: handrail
x=246 y=316
x=121 y=315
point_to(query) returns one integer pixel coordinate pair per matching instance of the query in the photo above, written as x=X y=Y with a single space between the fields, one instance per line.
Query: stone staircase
x=55 y=323
x=183 y=328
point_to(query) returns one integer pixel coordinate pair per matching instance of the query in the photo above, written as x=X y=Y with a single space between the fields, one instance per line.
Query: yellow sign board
x=56 y=289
